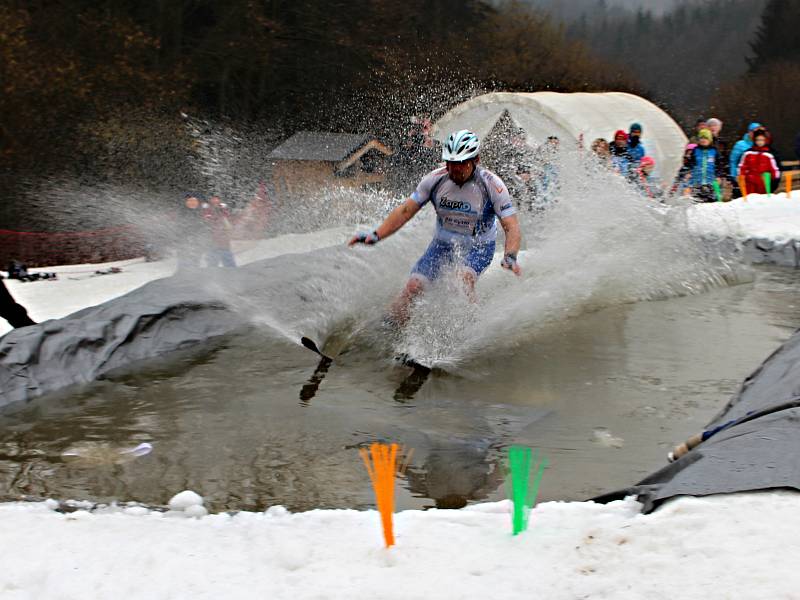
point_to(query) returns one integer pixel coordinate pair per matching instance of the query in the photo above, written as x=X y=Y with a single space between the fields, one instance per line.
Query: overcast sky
x=575 y=7
x=656 y=6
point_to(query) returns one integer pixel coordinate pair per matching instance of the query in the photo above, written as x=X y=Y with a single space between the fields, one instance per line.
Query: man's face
x=460 y=172
x=192 y=202
x=700 y=125
x=715 y=129
x=620 y=141
x=636 y=133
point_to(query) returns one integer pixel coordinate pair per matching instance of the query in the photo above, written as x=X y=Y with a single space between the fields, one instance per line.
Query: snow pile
x=775 y=218
x=720 y=547
x=189 y=503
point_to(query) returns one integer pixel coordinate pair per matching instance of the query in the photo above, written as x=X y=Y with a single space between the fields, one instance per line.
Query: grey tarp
x=156 y=319
x=759 y=450
x=185 y=311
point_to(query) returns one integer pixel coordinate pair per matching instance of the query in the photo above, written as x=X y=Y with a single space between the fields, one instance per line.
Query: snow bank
x=721 y=547
x=775 y=218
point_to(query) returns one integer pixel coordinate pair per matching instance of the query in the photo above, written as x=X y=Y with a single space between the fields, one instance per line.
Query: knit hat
x=705 y=134
x=620 y=133
x=753 y=126
x=648 y=160
x=763 y=132
x=635 y=127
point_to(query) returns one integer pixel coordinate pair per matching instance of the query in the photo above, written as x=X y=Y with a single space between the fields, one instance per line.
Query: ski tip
x=312 y=345
x=408 y=361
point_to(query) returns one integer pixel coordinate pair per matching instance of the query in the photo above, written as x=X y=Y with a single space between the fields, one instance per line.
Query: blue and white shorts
x=443 y=254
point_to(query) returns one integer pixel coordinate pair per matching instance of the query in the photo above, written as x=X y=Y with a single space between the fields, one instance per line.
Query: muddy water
x=251 y=424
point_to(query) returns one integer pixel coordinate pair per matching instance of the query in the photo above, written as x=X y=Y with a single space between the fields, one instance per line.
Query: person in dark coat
x=14 y=313
x=721 y=144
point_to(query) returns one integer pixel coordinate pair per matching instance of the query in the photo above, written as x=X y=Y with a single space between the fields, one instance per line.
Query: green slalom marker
x=522 y=461
x=767 y=183
x=717 y=191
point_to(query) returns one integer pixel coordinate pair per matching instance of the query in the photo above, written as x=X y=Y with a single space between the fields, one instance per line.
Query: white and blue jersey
x=466 y=220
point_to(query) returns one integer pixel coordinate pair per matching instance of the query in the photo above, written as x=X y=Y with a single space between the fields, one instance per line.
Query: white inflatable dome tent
x=595 y=115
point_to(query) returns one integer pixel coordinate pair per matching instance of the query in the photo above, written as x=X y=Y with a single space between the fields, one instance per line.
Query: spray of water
x=598 y=244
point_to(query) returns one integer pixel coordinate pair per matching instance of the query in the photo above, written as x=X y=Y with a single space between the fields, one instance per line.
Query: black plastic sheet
x=756 y=449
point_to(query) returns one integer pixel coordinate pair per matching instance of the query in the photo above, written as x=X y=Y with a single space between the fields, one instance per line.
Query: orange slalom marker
x=788 y=177
x=381 y=464
x=743 y=187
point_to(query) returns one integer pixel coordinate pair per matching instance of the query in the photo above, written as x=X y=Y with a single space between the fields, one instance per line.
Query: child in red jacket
x=759 y=160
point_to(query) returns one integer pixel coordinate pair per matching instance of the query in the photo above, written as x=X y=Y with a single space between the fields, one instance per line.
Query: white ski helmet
x=460 y=146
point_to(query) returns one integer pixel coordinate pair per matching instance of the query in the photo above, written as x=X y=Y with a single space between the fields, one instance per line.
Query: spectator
x=699 y=125
x=545 y=176
x=620 y=157
x=715 y=126
x=218 y=217
x=14 y=313
x=758 y=161
x=635 y=146
x=192 y=233
x=645 y=180
x=602 y=152
x=701 y=167
x=515 y=163
x=739 y=148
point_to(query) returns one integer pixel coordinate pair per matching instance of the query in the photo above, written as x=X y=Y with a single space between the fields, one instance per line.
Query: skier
x=468 y=201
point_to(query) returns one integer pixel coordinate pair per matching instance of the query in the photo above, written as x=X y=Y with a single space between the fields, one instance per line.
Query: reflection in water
x=310 y=389
x=411 y=384
x=229 y=424
x=455 y=472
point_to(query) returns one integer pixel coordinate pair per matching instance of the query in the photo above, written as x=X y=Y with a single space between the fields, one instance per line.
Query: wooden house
x=310 y=160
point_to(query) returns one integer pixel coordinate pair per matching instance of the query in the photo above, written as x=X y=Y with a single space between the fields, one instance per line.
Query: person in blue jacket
x=701 y=167
x=636 y=149
x=739 y=148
